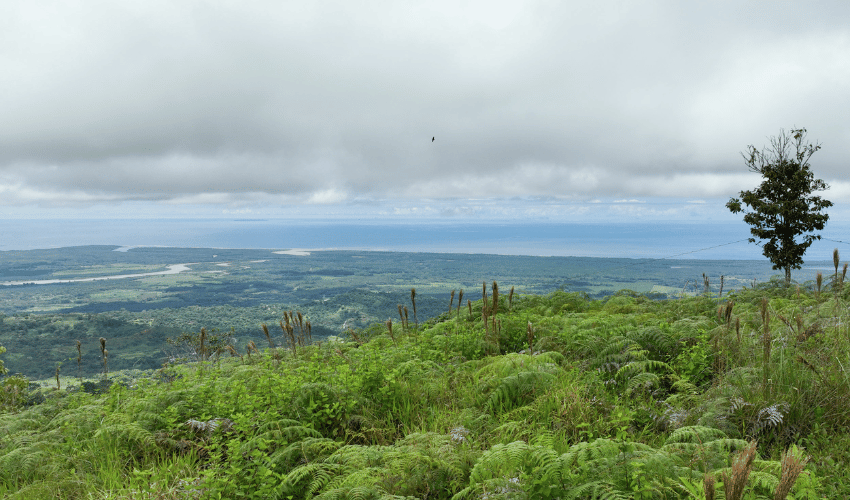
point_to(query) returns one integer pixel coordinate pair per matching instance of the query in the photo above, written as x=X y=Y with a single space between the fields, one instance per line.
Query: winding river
x=172 y=269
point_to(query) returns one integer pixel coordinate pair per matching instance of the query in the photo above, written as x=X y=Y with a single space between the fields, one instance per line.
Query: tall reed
x=288 y=331
x=791 y=467
x=485 y=312
x=203 y=353
x=708 y=485
x=413 y=300
x=836 y=259
x=268 y=336
x=495 y=303
x=766 y=342
x=104 y=356
x=735 y=480
x=79 y=361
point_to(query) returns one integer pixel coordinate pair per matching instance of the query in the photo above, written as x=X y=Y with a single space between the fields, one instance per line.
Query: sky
x=539 y=110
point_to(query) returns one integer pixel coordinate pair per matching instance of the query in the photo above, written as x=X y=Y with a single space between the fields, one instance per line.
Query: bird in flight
x=432 y=139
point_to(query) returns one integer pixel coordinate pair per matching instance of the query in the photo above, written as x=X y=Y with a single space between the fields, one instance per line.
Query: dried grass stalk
x=735 y=480
x=792 y=466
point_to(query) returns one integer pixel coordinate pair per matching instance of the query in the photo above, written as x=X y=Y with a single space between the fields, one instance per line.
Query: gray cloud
x=328 y=102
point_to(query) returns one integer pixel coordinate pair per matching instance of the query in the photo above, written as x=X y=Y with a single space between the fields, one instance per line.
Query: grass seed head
x=793 y=463
x=835 y=260
x=735 y=480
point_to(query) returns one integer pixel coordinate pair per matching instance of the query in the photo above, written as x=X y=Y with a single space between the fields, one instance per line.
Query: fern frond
x=358 y=493
x=516 y=389
x=695 y=434
x=632 y=368
x=582 y=453
x=657 y=343
x=14 y=423
x=513 y=363
x=307 y=450
x=471 y=491
x=553 y=357
x=278 y=434
x=128 y=432
x=642 y=381
x=315 y=475
x=598 y=490
x=503 y=460
x=718 y=447
x=22 y=463
x=765 y=481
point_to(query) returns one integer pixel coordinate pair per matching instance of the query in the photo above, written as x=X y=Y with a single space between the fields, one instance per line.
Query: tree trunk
x=788 y=276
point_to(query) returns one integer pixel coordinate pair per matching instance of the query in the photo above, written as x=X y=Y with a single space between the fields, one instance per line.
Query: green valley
x=167 y=291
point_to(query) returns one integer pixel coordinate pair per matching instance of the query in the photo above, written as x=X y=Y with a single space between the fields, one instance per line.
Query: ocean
x=714 y=241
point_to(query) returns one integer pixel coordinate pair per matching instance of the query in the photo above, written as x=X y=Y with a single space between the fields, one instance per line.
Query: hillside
x=532 y=396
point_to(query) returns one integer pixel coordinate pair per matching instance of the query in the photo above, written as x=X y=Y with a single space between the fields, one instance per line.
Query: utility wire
x=676 y=255
x=643 y=261
x=702 y=249
x=835 y=241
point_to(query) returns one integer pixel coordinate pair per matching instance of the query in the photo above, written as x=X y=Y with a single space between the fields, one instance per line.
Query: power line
x=835 y=241
x=702 y=249
x=677 y=255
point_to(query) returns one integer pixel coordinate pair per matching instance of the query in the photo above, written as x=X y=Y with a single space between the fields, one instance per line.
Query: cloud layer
x=331 y=102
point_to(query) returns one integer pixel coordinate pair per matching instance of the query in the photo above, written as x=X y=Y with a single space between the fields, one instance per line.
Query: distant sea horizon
x=639 y=240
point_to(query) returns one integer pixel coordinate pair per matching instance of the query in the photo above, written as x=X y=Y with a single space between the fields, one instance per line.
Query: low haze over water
x=642 y=240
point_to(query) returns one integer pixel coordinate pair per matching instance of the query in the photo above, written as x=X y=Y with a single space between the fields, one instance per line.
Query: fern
x=504 y=460
x=276 y=434
x=659 y=345
x=357 y=493
x=639 y=366
x=307 y=450
x=310 y=478
x=581 y=454
x=513 y=363
x=695 y=434
x=415 y=465
x=517 y=389
x=598 y=490
x=643 y=381
x=19 y=464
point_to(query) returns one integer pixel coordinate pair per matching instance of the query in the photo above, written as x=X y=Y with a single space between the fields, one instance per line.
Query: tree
x=783 y=210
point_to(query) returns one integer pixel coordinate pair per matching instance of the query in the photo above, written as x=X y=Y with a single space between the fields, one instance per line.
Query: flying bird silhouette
x=432 y=139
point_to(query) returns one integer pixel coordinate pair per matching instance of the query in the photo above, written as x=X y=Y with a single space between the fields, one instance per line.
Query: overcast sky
x=564 y=109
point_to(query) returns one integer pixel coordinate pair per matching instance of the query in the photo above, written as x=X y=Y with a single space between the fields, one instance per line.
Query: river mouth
x=294 y=251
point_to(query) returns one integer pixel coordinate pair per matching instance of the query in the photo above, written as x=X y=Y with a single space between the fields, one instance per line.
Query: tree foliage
x=783 y=211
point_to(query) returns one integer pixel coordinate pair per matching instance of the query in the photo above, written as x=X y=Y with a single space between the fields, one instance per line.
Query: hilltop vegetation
x=514 y=396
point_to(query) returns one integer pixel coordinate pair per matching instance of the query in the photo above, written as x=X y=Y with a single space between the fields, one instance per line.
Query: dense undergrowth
x=537 y=397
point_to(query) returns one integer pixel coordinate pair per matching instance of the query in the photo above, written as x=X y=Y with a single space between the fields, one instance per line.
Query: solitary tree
x=783 y=210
